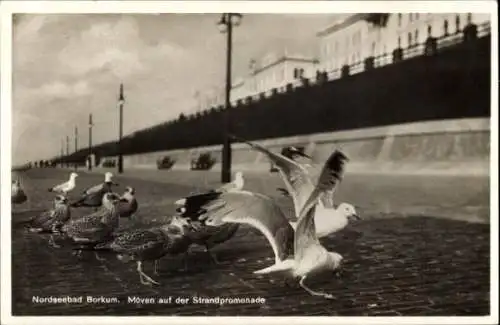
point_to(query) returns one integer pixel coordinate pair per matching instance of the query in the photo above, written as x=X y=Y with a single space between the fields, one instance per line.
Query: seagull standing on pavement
x=17 y=193
x=97 y=227
x=65 y=187
x=51 y=220
x=299 y=181
x=310 y=257
x=93 y=196
x=151 y=245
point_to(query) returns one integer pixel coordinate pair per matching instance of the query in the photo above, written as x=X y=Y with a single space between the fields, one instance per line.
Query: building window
x=409 y=40
x=417 y=16
x=445 y=27
x=400 y=19
x=457 y=24
x=416 y=36
x=429 y=31
x=411 y=17
x=399 y=41
x=295 y=73
x=373 y=48
x=469 y=18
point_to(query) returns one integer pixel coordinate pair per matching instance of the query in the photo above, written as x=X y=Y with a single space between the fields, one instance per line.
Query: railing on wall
x=369 y=93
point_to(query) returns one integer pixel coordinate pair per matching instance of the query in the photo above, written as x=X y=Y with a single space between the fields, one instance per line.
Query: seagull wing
x=255 y=210
x=93 y=190
x=60 y=187
x=330 y=176
x=137 y=241
x=295 y=176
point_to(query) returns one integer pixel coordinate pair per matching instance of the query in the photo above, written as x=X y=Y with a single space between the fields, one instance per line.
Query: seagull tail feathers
x=282 y=266
x=180 y=202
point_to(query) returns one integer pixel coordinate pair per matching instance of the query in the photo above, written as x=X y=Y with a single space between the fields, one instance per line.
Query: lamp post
x=61 y=163
x=67 y=151
x=226 y=23
x=121 y=101
x=76 y=147
x=91 y=124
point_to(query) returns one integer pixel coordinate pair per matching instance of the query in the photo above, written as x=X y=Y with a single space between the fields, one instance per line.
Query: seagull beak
x=354 y=217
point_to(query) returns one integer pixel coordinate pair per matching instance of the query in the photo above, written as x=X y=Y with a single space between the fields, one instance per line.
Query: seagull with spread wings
x=299 y=182
x=259 y=211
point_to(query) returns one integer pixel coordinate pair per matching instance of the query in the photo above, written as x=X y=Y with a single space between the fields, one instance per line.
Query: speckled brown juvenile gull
x=151 y=245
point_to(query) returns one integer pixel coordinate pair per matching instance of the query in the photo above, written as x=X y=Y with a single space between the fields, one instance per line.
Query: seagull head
x=349 y=211
x=110 y=199
x=130 y=190
x=60 y=200
x=182 y=223
x=107 y=177
x=293 y=152
x=73 y=175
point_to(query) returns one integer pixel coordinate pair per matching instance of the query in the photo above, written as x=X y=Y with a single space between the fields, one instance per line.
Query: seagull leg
x=157 y=266
x=52 y=242
x=96 y=254
x=213 y=257
x=145 y=279
x=312 y=292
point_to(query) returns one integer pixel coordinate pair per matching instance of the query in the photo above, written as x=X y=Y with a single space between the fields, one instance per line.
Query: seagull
x=92 y=197
x=65 y=187
x=299 y=182
x=151 y=245
x=235 y=185
x=51 y=220
x=17 y=193
x=128 y=203
x=201 y=234
x=310 y=257
x=97 y=227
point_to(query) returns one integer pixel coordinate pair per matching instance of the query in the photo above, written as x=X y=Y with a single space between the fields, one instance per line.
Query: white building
x=354 y=39
x=272 y=71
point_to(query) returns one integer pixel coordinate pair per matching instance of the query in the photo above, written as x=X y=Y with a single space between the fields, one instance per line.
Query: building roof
x=338 y=25
x=283 y=58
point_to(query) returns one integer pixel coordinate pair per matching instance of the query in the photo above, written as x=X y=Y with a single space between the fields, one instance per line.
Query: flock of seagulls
x=210 y=218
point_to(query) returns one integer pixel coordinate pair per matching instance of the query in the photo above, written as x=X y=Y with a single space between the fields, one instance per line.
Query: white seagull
x=259 y=211
x=17 y=193
x=65 y=187
x=299 y=182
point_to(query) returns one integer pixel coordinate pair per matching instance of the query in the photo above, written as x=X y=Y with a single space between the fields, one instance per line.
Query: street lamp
x=121 y=101
x=91 y=124
x=226 y=23
x=76 y=147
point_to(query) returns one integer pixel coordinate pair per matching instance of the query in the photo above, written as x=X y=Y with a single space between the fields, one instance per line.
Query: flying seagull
x=299 y=181
x=310 y=256
x=18 y=195
x=65 y=187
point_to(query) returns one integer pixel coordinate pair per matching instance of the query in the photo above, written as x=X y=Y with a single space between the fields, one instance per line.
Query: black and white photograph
x=249 y=158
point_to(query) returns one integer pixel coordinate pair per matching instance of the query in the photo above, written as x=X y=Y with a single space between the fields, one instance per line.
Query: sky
x=68 y=66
